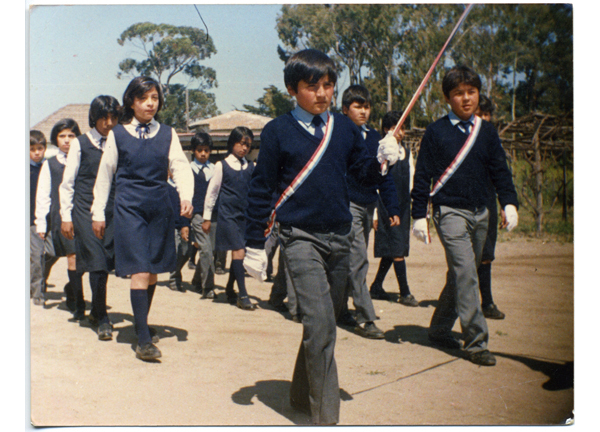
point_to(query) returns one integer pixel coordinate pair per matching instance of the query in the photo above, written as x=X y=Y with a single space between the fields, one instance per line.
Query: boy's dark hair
x=138 y=88
x=486 y=106
x=390 y=120
x=61 y=125
x=460 y=75
x=201 y=139
x=356 y=93
x=309 y=65
x=101 y=107
x=237 y=134
x=36 y=137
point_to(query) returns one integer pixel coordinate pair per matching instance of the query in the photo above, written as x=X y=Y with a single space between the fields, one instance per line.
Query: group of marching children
x=113 y=197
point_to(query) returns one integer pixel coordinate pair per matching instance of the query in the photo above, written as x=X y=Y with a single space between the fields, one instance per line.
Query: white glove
x=389 y=150
x=421 y=230
x=512 y=217
x=255 y=263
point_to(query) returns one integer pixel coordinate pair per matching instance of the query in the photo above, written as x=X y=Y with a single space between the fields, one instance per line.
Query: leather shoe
x=105 y=332
x=347 y=320
x=492 y=312
x=378 y=293
x=147 y=352
x=79 y=315
x=208 y=293
x=370 y=331
x=408 y=300
x=483 y=358
x=445 y=341
x=244 y=303
x=279 y=307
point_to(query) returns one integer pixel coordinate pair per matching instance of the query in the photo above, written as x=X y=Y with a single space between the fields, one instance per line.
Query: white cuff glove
x=255 y=263
x=389 y=150
x=421 y=230
x=512 y=217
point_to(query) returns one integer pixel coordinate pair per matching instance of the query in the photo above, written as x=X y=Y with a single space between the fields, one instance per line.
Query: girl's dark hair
x=101 y=107
x=356 y=93
x=486 y=105
x=137 y=88
x=36 y=137
x=460 y=75
x=201 y=139
x=237 y=134
x=309 y=65
x=390 y=120
x=59 y=126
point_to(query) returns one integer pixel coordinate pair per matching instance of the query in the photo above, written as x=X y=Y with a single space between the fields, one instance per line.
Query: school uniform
x=461 y=218
x=143 y=216
x=315 y=234
x=36 y=252
x=205 y=267
x=182 y=247
x=363 y=201
x=230 y=184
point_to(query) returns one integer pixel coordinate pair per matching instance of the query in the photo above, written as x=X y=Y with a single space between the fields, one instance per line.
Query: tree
x=272 y=104
x=201 y=105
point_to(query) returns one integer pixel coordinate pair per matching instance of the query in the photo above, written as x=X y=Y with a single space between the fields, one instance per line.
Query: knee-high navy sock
x=77 y=287
x=400 y=270
x=139 y=304
x=151 y=289
x=230 y=281
x=485 y=284
x=237 y=266
x=384 y=266
x=98 y=280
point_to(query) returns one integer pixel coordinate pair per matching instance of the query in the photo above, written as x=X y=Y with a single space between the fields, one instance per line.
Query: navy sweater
x=467 y=188
x=365 y=195
x=34 y=175
x=321 y=202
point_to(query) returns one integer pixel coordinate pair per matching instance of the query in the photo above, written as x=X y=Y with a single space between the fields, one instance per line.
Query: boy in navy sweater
x=459 y=207
x=356 y=105
x=311 y=150
x=37 y=148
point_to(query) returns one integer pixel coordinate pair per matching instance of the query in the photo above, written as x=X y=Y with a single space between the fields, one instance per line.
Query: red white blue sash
x=460 y=157
x=304 y=172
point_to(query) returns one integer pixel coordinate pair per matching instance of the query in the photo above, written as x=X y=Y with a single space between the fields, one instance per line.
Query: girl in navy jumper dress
x=231 y=179
x=139 y=153
x=94 y=256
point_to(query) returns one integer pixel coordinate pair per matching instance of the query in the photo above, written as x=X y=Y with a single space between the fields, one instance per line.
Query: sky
x=74 y=54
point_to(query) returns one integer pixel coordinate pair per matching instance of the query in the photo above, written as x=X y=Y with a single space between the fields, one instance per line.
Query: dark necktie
x=102 y=142
x=317 y=121
x=466 y=125
x=143 y=129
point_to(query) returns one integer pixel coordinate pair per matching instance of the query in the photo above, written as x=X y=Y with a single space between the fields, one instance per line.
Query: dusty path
x=224 y=366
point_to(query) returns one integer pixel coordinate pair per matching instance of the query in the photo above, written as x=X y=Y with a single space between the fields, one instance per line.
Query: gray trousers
x=183 y=250
x=36 y=265
x=463 y=234
x=205 y=267
x=318 y=265
x=362 y=222
x=282 y=287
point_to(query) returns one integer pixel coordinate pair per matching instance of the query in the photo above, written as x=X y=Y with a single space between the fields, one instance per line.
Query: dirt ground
x=225 y=366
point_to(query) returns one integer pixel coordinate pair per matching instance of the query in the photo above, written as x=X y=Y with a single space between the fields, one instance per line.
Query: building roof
x=77 y=112
x=224 y=123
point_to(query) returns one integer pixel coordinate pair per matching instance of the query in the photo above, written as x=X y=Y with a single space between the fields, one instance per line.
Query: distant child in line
x=203 y=169
x=356 y=105
x=37 y=286
x=182 y=238
x=48 y=204
x=94 y=256
x=392 y=242
x=305 y=158
x=459 y=198
x=229 y=184
x=139 y=153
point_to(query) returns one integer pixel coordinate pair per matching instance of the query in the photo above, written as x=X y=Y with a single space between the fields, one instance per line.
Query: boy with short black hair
x=356 y=105
x=37 y=288
x=458 y=152
x=304 y=158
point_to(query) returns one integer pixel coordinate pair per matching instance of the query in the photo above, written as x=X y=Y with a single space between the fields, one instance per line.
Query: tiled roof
x=224 y=123
x=77 y=112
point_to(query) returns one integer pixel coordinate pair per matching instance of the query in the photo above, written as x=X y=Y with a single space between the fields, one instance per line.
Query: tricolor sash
x=304 y=172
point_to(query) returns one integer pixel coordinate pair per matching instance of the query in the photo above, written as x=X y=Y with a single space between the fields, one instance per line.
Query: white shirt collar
x=454 y=119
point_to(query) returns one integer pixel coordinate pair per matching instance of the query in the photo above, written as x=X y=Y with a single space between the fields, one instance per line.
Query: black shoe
x=231 y=296
x=173 y=286
x=445 y=341
x=297 y=319
x=483 y=358
x=244 y=303
x=70 y=297
x=208 y=293
x=79 y=315
x=105 y=332
x=378 y=293
x=370 y=331
x=492 y=312
x=191 y=265
x=347 y=320
x=279 y=307
x=147 y=352
x=220 y=271
x=92 y=320
x=408 y=300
